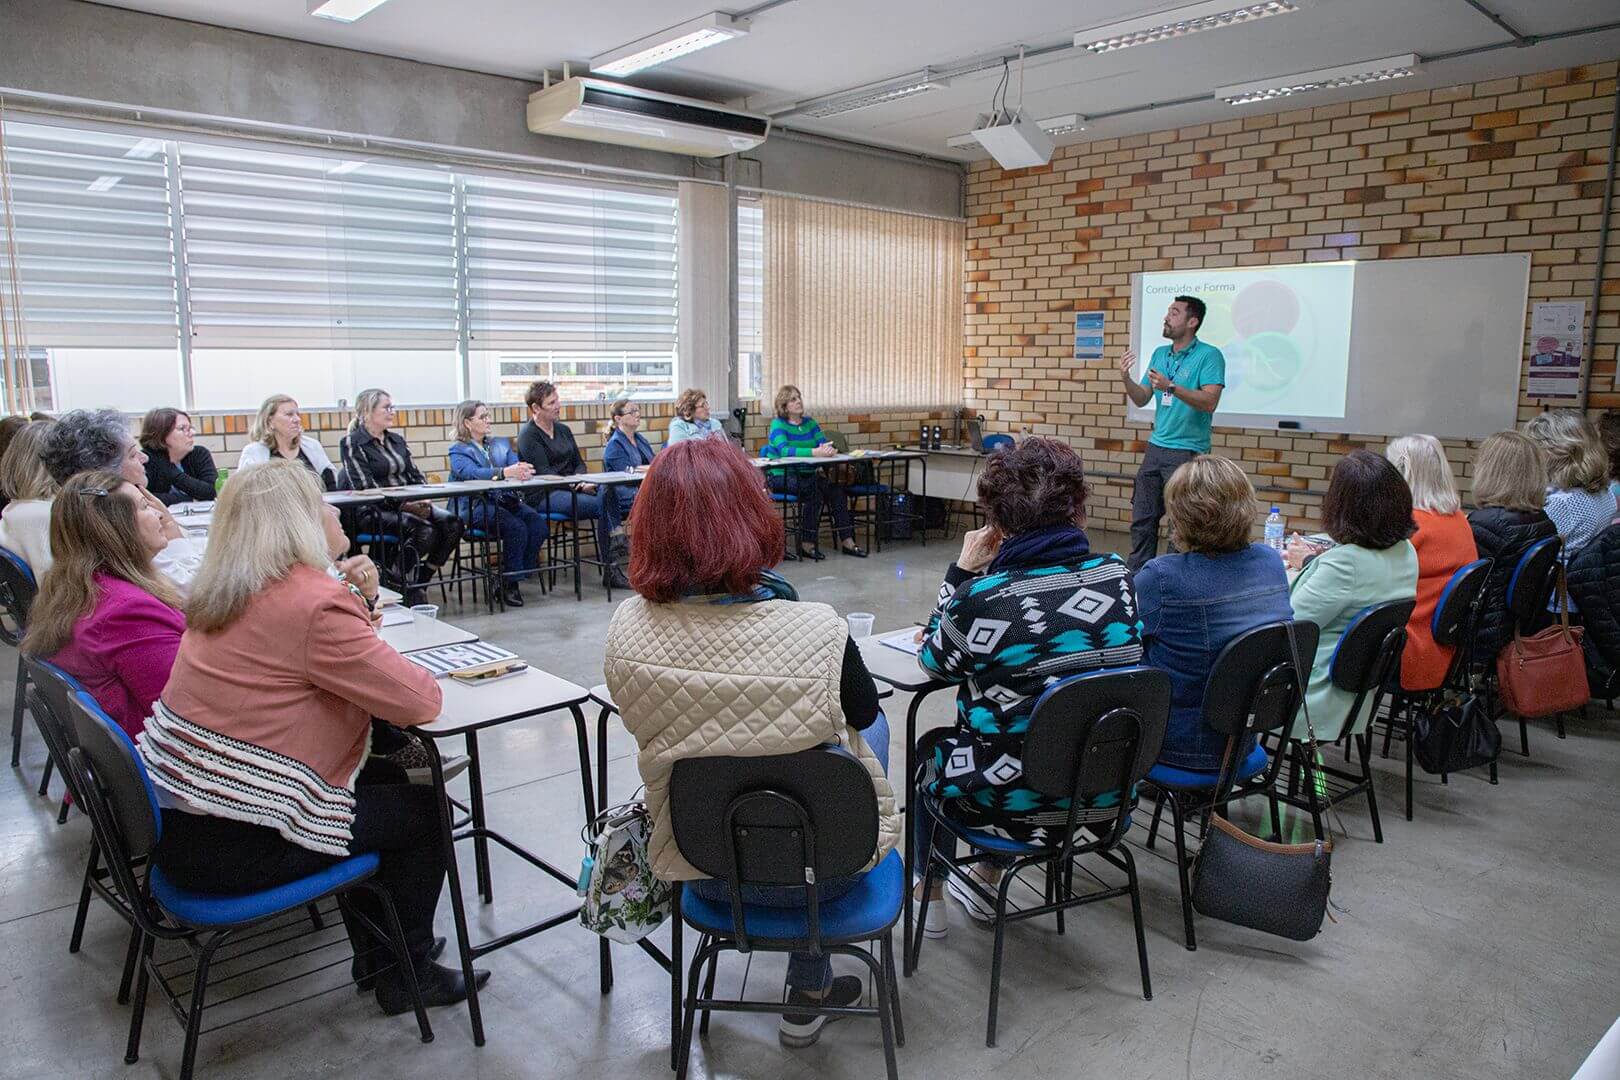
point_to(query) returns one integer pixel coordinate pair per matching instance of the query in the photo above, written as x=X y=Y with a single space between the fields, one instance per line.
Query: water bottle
x=1274 y=531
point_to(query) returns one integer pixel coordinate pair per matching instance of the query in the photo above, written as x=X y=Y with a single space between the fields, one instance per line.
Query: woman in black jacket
x=177 y=469
x=1510 y=489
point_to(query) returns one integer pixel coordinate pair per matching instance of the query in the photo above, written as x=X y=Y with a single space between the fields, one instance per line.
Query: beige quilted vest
x=744 y=680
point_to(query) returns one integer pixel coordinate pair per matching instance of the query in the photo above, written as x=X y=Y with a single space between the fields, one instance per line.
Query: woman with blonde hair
x=1579 y=500
x=278 y=432
x=1444 y=543
x=692 y=420
x=25 y=523
x=258 y=744
x=475 y=455
x=1510 y=491
x=1216 y=585
x=104 y=614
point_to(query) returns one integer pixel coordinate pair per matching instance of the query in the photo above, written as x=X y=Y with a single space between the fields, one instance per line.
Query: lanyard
x=1179 y=360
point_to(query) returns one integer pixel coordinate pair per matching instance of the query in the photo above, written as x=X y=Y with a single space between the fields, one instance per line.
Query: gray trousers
x=1147 y=500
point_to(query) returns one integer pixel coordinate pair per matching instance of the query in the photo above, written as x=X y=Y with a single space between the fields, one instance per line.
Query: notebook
x=447 y=659
x=904 y=640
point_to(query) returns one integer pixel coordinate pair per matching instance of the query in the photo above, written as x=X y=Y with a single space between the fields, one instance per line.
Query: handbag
x=1454 y=736
x=623 y=900
x=1545 y=674
x=1279 y=889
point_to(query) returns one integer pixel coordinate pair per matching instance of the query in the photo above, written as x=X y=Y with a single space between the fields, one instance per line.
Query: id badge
x=1167 y=397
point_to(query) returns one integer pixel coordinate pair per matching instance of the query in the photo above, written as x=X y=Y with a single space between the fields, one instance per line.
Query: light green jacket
x=1332 y=590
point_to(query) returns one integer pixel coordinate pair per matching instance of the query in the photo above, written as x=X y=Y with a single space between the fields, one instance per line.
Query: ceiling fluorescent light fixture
x=1177 y=22
x=344 y=11
x=671 y=44
x=881 y=96
x=1067 y=124
x=1368 y=71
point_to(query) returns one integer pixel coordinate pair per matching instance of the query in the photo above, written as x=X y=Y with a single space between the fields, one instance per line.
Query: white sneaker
x=981 y=913
x=936 y=927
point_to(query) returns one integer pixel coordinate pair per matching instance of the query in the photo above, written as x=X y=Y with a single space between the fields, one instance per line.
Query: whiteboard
x=1437 y=345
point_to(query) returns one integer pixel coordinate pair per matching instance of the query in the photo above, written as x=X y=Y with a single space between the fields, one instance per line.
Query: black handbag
x=1455 y=736
x=1275 y=888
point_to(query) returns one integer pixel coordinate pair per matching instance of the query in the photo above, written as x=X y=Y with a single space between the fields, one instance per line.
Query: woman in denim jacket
x=522 y=529
x=1196 y=599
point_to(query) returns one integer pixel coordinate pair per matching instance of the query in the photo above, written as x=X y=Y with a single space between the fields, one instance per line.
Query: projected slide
x=1285 y=331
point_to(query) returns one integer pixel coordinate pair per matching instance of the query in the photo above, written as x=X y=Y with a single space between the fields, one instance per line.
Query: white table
x=467 y=710
x=901 y=671
x=421 y=633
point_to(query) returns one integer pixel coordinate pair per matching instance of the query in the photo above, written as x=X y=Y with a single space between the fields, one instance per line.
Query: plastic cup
x=860 y=624
x=425 y=611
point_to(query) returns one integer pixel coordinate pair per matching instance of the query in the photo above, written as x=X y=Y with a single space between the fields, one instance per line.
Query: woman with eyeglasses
x=177 y=469
x=627 y=450
x=475 y=455
x=375 y=456
x=104 y=614
x=278 y=432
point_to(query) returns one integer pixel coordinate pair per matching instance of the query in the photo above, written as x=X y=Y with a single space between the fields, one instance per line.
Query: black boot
x=614 y=578
x=511 y=595
x=439 y=985
x=366 y=963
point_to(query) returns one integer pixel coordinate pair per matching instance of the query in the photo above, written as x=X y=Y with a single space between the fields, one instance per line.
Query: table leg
x=475 y=785
x=923 y=506
x=573 y=513
x=604 y=954
x=458 y=908
x=911 y=796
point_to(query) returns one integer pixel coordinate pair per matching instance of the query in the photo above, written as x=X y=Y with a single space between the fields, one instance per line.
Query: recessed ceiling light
x=867 y=98
x=671 y=44
x=1177 y=22
x=345 y=11
x=1368 y=71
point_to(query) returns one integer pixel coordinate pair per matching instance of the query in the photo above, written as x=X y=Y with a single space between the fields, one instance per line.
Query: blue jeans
x=806 y=971
x=587 y=507
x=522 y=530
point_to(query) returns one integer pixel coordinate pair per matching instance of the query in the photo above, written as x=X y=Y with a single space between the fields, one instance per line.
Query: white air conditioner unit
x=611 y=112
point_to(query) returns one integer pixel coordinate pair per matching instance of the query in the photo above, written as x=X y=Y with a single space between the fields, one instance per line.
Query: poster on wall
x=1088 y=335
x=1555 y=349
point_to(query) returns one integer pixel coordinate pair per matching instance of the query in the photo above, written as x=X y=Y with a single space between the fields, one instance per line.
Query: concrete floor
x=1478 y=941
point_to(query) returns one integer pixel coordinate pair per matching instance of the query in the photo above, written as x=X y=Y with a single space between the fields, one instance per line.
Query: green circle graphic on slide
x=1274 y=362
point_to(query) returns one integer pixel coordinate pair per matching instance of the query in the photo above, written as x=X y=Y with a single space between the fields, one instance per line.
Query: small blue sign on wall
x=1088 y=335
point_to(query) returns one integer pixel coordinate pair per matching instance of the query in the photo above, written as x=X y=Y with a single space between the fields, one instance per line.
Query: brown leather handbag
x=1544 y=674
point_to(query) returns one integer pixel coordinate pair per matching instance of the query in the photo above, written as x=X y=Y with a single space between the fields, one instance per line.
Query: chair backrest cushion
x=1534 y=579
x=828 y=782
x=1370 y=646
x=1253 y=684
x=1088 y=723
x=1456 y=606
x=118 y=769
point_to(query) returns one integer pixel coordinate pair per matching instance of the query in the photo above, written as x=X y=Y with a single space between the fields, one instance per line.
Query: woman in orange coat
x=1445 y=544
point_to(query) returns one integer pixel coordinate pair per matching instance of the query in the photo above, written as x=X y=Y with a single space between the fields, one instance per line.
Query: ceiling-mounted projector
x=1017 y=145
x=611 y=112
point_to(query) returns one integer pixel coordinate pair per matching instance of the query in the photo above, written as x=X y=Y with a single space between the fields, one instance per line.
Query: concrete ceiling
x=799 y=50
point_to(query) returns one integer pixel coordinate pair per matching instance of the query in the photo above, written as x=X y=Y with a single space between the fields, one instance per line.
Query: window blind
x=94 y=239
x=569 y=267
x=750 y=278
x=295 y=251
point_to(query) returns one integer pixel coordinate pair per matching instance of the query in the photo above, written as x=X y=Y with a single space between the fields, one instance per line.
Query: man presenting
x=1187 y=376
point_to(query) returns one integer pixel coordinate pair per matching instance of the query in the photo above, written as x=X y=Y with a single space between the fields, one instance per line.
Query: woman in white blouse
x=278 y=432
x=25 y=523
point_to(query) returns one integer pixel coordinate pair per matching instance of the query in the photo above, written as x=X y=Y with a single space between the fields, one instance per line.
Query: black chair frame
x=1117 y=748
x=798 y=845
x=17 y=593
x=1530 y=590
x=1254 y=689
x=153 y=924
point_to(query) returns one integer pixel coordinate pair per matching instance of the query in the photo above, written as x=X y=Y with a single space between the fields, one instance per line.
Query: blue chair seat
x=864 y=912
x=478 y=534
x=868 y=489
x=988 y=841
x=211 y=910
x=778 y=496
x=553 y=515
x=376 y=538
x=1169 y=776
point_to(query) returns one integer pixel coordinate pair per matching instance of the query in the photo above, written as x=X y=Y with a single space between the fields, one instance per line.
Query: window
x=571 y=283
x=750 y=300
x=91 y=221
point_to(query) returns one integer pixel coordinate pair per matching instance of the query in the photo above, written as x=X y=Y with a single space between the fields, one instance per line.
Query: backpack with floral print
x=624 y=902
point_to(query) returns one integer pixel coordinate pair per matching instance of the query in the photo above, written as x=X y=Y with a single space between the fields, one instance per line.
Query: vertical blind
x=862 y=307
x=570 y=267
x=292 y=251
x=750 y=278
x=93 y=234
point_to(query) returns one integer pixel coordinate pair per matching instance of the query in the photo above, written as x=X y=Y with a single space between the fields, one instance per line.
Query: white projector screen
x=1385 y=347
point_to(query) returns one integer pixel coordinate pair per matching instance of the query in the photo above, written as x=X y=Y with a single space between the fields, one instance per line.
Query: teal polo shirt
x=1179 y=426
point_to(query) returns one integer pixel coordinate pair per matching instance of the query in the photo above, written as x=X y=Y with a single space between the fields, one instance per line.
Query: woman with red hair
x=682 y=653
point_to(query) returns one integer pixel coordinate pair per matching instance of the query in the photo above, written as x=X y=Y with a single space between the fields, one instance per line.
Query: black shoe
x=512 y=596
x=799 y=1030
x=814 y=554
x=439 y=985
x=364 y=968
x=857 y=552
x=619 y=546
x=615 y=579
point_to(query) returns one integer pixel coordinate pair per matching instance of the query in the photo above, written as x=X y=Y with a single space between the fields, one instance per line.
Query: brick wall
x=1509 y=165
